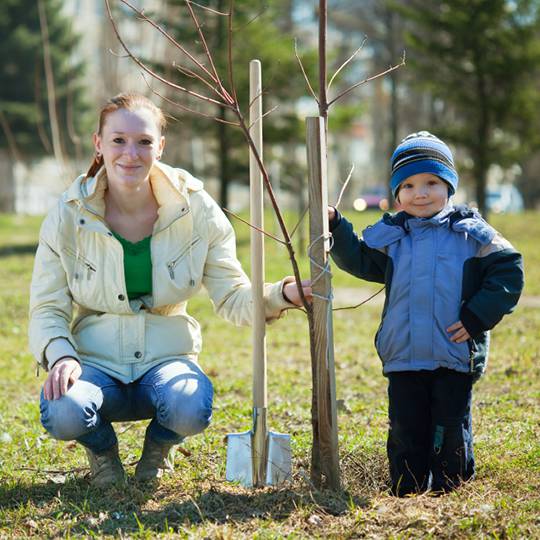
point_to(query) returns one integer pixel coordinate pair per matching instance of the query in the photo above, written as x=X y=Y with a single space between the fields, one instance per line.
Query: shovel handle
x=257 y=238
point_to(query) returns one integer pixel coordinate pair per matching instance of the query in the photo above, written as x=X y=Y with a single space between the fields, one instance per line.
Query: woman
x=119 y=256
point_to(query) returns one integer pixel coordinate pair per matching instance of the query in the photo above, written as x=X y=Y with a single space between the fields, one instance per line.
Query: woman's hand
x=460 y=334
x=63 y=373
x=291 y=293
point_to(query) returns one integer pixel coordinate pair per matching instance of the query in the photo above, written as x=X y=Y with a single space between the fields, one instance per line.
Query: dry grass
x=44 y=492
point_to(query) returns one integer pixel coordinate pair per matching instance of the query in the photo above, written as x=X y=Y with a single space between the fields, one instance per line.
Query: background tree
x=478 y=59
x=25 y=122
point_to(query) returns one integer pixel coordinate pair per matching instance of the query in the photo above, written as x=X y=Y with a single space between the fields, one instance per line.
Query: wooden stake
x=324 y=383
x=257 y=278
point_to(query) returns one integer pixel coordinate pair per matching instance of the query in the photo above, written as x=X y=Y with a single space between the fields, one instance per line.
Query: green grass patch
x=44 y=492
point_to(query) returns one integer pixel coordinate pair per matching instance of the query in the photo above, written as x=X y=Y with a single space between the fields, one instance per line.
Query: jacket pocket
x=173 y=264
x=83 y=268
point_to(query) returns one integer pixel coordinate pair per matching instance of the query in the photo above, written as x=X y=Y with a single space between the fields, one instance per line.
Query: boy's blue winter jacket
x=437 y=271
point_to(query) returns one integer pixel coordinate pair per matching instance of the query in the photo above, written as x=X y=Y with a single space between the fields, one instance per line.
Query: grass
x=44 y=492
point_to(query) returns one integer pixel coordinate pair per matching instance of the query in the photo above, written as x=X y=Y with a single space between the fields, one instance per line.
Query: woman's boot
x=105 y=467
x=156 y=459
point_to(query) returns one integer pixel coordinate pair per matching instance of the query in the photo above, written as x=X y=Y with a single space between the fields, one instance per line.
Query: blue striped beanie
x=422 y=152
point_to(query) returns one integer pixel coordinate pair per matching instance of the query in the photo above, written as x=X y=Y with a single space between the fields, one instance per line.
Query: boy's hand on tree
x=459 y=333
x=331 y=213
x=63 y=373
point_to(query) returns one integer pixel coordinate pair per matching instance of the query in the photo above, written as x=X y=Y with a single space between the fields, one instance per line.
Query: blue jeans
x=430 y=442
x=176 y=395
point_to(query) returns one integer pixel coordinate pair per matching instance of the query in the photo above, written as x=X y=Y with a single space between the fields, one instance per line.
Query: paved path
x=350 y=296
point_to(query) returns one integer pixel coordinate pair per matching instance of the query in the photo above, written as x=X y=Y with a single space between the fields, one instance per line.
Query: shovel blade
x=279 y=465
x=239 y=458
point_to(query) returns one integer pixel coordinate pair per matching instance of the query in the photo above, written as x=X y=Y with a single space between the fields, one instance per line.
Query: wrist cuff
x=471 y=322
x=57 y=349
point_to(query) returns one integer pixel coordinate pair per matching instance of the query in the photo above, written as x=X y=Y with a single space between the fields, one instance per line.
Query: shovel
x=258 y=457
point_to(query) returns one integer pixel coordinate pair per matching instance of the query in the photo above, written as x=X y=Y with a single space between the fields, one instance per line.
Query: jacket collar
x=170 y=186
x=441 y=219
x=392 y=228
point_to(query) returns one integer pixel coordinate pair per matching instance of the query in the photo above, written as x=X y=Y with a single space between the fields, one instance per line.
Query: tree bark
x=7 y=182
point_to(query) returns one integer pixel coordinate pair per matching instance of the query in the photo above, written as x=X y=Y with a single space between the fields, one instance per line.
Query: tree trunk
x=7 y=182
x=224 y=174
x=394 y=109
x=480 y=177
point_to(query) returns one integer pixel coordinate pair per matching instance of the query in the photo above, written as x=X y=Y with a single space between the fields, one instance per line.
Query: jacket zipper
x=471 y=356
x=89 y=266
x=172 y=265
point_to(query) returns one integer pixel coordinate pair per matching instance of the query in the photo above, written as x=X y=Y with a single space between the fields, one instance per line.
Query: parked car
x=505 y=198
x=373 y=198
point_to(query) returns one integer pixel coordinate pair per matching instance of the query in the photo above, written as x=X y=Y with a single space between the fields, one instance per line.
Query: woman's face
x=130 y=142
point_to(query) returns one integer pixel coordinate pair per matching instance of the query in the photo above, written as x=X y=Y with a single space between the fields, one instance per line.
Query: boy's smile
x=422 y=195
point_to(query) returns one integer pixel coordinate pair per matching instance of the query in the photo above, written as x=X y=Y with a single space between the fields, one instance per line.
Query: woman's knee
x=187 y=414
x=68 y=417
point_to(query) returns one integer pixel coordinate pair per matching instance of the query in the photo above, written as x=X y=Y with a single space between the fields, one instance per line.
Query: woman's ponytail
x=96 y=165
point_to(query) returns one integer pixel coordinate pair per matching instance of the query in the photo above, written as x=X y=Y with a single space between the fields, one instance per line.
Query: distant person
x=119 y=256
x=450 y=278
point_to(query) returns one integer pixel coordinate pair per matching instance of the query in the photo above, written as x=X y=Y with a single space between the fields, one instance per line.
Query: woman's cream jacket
x=78 y=299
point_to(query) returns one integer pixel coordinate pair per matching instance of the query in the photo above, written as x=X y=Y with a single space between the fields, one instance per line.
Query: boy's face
x=422 y=195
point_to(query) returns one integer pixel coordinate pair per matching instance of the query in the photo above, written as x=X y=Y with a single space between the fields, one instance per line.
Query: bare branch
x=361 y=303
x=143 y=17
x=252 y=20
x=256 y=228
x=152 y=73
x=118 y=55
x=193 y=75
x=312 y=92
x=229 y=51
x=187 y=109
x=263 y=115
x=300 y=221
x=39 y=121
x=346 y=62
x=195 y=20
x=51 y=90
x=344 y=187
x=207 y=8
x=373 y=77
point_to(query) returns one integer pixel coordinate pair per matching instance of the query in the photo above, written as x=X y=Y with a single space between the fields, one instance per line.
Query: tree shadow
x=21 y=249
x=224 y=505
x=89 y=510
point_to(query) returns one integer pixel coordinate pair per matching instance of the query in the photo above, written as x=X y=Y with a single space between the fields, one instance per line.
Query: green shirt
x=137 y=266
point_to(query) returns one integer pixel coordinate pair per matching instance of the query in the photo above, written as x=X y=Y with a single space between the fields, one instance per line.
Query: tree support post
x=324 y=412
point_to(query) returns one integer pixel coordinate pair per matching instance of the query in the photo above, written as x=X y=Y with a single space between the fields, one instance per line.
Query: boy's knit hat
x=422 y=152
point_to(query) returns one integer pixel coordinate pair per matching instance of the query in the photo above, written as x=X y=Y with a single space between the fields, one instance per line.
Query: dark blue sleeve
x=501 y=286
x=352 y=254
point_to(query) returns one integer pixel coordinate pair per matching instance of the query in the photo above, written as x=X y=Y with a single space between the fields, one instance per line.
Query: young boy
x=450 y=278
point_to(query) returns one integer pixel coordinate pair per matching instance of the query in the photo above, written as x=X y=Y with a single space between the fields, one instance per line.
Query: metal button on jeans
x=138 y=354
x=121 y=297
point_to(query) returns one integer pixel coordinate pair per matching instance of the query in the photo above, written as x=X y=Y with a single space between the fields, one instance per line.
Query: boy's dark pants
x=430 y=430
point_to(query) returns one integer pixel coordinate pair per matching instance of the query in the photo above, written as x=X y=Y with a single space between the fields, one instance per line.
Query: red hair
x=129 y=101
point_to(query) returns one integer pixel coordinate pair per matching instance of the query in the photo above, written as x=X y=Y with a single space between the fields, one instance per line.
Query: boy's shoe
x=105 y=468
x=156 y=459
